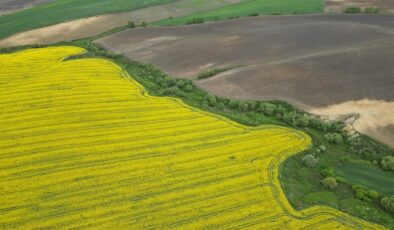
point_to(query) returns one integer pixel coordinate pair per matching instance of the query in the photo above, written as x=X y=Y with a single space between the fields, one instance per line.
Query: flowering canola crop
x=83 y=147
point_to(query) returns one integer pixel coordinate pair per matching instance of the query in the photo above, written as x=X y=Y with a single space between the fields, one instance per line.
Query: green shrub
x=131 y=24
x=329 y=183
x=328 y=172
x=310 y=161
x=253 y=15
x=322 y=148
x=243 y=106
x=189 y=88
x=387 y=204
x=371 y=10
x=211 y=99
x=268 y=108
x=388 y=163
x=352 y=10
x=210 y=73
x=195 y=21
x=304 y=120
x=233 y=104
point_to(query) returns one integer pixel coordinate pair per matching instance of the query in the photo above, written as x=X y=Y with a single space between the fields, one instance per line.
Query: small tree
x=143 y=24
x=268 y=108
x=388 y=163
x=131 y=24
x=243 y=106
x=212 y=100
x=329 y=183
x=334 y=138
x=310 y=161
x=304 y=120
x=233 y=104
x=188 y=88
x=371 y=10
x=387 y=204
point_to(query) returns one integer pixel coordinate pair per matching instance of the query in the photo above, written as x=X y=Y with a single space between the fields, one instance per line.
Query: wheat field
x=84 y=147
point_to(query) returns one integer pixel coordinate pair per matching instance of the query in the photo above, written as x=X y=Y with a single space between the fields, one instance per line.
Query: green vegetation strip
x=66 y=10
x=249 y=8
x=368 y=176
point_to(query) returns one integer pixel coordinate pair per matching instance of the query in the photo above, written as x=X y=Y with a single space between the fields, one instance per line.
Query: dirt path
x=94 y=25
x=313 y=61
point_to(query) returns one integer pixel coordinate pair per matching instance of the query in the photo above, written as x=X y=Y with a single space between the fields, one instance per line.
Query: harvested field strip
x=87 y=161
x=251 y=7
x=95 y=25
x=65 y=10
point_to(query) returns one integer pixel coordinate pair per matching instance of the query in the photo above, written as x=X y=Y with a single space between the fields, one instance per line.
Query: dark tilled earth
x=313 y=61
x=8 y=6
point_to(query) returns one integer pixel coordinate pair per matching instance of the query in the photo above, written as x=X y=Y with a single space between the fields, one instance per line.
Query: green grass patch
x=367 y=211
x=321 y=198
x=368 y=176
x=66 y=10
x=250 y=8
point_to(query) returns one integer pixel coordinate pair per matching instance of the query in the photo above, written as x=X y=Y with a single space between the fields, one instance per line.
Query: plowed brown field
x=313 y=61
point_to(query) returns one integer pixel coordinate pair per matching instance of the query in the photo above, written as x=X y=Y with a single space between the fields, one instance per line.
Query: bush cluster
x=372 y=151
x=371 y=10
x=210 y=73
x=334 y=138
x=365 y=194
x=367 y=10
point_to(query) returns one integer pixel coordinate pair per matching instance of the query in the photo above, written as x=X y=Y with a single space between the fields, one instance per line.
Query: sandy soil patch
x=312 y=61
x=376 y=117
x=94 y=25
x=337 y=6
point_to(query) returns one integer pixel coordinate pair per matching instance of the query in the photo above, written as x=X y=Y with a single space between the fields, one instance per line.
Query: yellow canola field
x=83 y=147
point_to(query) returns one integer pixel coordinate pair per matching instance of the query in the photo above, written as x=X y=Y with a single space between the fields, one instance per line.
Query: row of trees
x=367 y=10
x=283 y=112
x=132 y=24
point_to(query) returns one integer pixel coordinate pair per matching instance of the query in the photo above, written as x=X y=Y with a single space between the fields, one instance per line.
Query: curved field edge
x=273 y=169
x=140 y=73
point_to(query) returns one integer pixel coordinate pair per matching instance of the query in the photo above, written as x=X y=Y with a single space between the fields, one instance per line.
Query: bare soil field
x=9 y=6
x=337 y=6
x=312 y=61
x=90 y=26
